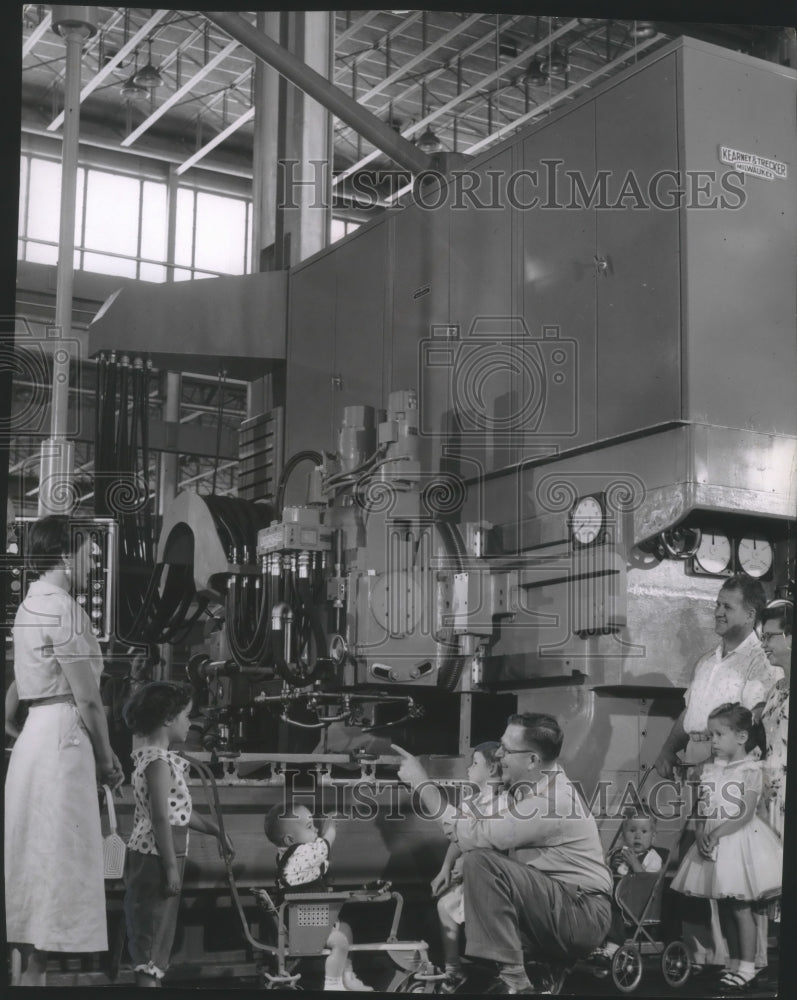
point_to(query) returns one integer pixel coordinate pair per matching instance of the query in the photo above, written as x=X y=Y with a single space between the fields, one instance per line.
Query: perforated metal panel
x=315 y=915
x=309 y=925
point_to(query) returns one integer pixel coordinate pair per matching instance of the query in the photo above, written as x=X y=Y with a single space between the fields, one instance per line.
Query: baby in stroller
x=635 y=853
x=302 y=864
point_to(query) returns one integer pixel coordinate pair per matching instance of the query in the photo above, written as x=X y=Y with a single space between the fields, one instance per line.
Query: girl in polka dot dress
x=156 y=851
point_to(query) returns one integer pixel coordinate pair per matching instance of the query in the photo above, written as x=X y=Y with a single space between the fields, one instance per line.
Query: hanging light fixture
x=148 y=77
x=535 y=74
x=429 y=141
x=130 y=90
x=643 y=29
x=555 y=63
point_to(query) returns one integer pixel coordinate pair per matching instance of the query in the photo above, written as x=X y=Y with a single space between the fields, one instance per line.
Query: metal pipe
x=169 y=464
x=302 y=76
x=75 y=25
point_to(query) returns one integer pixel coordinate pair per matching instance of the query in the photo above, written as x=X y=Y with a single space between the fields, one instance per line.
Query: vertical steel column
x=264 y=152
x=171 y=221
x=169 y=464
x=56 y=496
x=310 y=230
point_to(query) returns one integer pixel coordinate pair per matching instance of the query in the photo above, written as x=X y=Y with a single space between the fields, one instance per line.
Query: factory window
x=120 y=220
x=115 y=247
x=212 y=234
x=340 y=228
x=42 y=211
x=121 y=224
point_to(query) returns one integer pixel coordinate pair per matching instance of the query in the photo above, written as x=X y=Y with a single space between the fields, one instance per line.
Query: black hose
x=287 y=470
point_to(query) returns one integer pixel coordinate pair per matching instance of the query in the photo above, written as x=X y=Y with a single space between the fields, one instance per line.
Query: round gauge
x=713 y=554
x=755 y=556
x=586 y=520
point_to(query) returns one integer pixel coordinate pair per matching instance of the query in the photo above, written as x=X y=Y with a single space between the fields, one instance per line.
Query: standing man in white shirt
x=737 y=670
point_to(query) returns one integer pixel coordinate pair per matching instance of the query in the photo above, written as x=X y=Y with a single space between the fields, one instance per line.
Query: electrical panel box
x=99 y=595
x=299 y=531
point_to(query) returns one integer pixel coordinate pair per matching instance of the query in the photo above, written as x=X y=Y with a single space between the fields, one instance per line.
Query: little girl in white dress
x=736 y=858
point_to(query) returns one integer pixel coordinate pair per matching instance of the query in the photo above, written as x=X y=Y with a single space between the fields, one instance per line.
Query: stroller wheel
x=412 y=985
x=675 y=963
x=627 y=968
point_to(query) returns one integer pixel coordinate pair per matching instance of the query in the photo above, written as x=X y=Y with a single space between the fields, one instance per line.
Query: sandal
x=732 y=982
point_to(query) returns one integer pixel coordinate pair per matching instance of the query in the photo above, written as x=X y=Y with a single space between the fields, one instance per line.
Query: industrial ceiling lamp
x=555 y=63
x=643 y=29
x=148 y=77
x=130 y=90
x=428 y=141
x=535 y=75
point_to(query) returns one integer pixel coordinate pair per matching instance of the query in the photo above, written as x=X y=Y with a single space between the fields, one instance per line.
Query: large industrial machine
x=533 y=420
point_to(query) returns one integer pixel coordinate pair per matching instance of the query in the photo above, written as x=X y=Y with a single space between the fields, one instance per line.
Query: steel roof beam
x=435 y=73
x=410 y=65
x=200 y=154
x=466 y=94
x=32 y=40
x=374 y=46
x=352 y=29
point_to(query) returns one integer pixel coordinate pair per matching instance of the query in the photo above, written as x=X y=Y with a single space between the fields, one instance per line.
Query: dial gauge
x=755 y=556
x=713 y=554
x=586 y=520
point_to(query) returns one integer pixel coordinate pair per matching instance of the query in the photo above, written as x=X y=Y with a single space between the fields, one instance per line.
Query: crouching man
x=536 y=885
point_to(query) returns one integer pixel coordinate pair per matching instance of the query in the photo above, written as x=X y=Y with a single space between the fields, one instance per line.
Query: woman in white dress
x=54 y=886
x=776 y=629
x=775 y=632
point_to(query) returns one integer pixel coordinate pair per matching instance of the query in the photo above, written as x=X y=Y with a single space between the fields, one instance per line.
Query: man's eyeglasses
x=767 y=636
x=503 y=749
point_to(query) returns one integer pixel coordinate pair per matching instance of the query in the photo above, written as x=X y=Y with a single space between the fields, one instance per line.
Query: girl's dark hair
x=740 y=720
x=154 y=705
x=487 y=750
x=47 y=541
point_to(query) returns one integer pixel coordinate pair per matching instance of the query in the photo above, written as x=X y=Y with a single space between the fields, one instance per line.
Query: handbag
x=113 y=847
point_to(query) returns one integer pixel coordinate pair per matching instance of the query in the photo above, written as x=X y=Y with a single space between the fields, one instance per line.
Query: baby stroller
x=297 y=924
x=640 y=897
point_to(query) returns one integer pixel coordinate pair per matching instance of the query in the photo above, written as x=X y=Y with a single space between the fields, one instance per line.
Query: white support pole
x=56 y=488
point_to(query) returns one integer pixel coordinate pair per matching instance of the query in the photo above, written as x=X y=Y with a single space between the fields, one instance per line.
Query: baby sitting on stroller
x=302 y=864
x=635 y=853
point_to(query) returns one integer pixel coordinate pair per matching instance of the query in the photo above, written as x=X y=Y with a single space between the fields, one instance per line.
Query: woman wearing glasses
x=776 y=626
